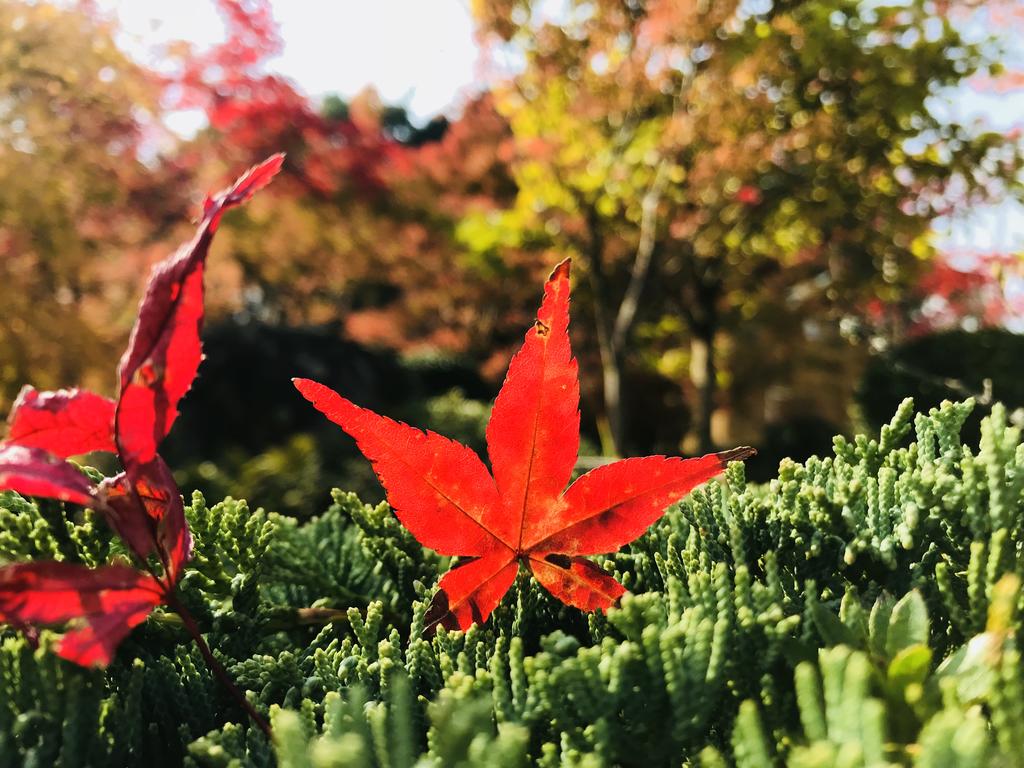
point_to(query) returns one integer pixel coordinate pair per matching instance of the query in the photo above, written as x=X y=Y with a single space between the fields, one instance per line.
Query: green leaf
x=878 y=624
x=908 y=624
x=973 y=667
x=831 y=628
x=910 y=665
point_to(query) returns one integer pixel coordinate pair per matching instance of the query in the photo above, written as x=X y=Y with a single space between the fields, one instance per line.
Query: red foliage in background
x=958 y=290
x=254 y=111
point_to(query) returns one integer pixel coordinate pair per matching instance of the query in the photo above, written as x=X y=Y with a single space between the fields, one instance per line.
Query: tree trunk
x=611 y=380
x=704 y=325
x=611 y=357
x=707 y=388
x=614 y=328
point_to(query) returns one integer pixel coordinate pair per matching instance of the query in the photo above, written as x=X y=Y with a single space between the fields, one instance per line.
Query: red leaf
x=534 y=432
x=34 y=472
x=440 y=490
x=102 y=604
x=247 y=185
x=93 y=643
x=471 y=590
x=145 y=508
x=154 y=484
x=577 y=582
x=612 y=505
x=67 y=422
x=442 y=494
x=142 y=504
x=127 y=516
x=164 y=350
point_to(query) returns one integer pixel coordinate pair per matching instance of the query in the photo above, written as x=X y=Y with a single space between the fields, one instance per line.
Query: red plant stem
x=215 y=666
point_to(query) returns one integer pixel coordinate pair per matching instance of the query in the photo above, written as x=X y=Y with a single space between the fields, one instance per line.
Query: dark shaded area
x=244 y=395
x=659 y=416
x=797 y=439
x=394 y=122
x=244 y=423
x=945 y=366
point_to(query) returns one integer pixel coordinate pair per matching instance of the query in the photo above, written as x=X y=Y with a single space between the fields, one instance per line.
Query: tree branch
x=642 y=263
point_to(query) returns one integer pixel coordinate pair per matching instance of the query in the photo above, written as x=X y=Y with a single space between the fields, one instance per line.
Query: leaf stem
x=175 y=604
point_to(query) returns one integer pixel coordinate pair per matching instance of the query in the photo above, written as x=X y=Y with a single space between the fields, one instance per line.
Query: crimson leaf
x=67 y=422
x=524 y=515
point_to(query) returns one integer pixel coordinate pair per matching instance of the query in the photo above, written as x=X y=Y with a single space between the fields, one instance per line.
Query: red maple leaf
x=102 y=604
x=523 y=515
x=34 y=472
x=68 y=422
x=142 y=504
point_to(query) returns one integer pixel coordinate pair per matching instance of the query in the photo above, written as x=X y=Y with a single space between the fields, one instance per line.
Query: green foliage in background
x=752 y=164
x=859 y=610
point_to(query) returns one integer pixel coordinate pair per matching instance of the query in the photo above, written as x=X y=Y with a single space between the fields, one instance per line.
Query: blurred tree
x=734 y=164
x=77 y=207
x=1005 y=19
x=966 y=291
x=362 y=227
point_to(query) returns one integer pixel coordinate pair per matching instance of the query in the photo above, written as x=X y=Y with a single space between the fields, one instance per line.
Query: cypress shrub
x=861 y=609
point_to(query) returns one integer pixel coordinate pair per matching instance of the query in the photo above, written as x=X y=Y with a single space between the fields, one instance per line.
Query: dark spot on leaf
x=474 y=610
x=146 y=374
x=561 y=561
x=438 y=614
x=542 y=328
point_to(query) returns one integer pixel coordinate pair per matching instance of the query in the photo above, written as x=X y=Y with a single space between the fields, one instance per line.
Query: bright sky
x=417 y=53
x=422 y=54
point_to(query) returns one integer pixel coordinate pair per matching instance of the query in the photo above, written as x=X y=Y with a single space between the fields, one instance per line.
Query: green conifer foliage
x=861 y=609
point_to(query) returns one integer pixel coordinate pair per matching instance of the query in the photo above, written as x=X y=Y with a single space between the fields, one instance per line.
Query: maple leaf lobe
x=164 y=350
x=102 y=604
x=439 y=489
x=67 y=422
x=533 y=432
x=33 y=471
x=469 y=593
x=578 y=582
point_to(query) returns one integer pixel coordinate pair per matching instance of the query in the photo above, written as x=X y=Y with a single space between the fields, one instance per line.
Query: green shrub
x=858 y=610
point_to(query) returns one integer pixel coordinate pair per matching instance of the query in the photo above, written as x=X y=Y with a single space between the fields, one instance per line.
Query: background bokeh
x=784 y=216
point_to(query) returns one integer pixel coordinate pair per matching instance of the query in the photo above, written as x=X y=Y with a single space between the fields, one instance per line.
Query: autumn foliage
x=522 y=514
x=142 y=504
x=747 y=192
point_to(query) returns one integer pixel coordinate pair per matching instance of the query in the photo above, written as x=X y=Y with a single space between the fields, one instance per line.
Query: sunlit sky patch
x=421 y=55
